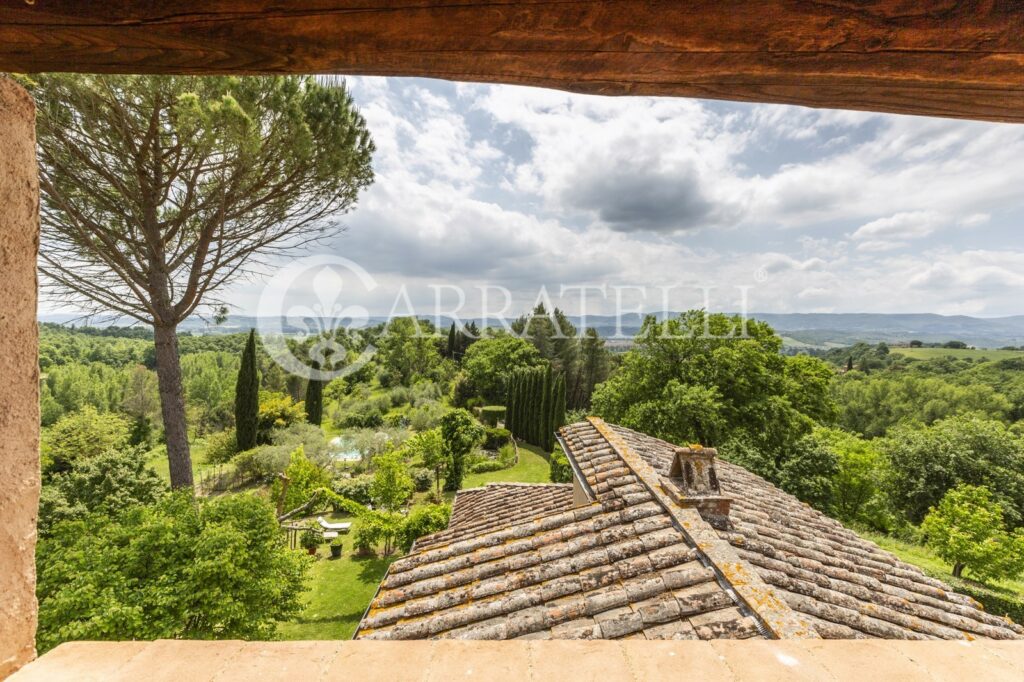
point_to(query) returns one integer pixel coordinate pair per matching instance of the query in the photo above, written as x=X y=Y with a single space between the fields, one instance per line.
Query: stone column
x=19 y=376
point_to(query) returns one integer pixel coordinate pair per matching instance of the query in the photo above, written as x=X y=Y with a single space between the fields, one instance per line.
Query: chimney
x=693 y=482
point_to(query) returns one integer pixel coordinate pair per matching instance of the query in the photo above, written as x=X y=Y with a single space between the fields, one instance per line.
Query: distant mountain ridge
x=814 y=329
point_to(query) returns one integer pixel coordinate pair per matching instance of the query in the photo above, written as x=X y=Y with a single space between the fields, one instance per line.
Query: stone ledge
x=607 y=661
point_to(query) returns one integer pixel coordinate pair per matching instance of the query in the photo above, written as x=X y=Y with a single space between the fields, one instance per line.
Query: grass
x=340 y=590
x=532 y=468
x=157 y=460
x=958 y=353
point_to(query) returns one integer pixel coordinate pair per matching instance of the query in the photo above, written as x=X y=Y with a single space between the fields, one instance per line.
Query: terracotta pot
x=312 y=551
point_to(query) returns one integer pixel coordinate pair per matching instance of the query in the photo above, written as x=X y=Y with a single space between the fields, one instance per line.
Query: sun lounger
x=339 y=527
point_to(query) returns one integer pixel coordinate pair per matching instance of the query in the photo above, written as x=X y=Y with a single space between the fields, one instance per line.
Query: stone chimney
x=693 y=482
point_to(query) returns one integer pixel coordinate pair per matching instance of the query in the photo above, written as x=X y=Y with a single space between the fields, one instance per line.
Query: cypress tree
x=247 y=397
x=538 y=406
x=510 y=402
x=451 y=342
x=546 y=408
x=558 y=411
x=315 y=399
x=521 y=405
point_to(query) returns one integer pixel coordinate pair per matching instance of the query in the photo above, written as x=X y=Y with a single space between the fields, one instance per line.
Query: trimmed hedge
x=495 y=438
x=492 y=414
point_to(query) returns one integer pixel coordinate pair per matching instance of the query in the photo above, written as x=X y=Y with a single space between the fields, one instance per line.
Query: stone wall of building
x=19 y=376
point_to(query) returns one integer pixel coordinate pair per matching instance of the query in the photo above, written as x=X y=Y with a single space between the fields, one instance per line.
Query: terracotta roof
x=495 y=505
x=520 y=561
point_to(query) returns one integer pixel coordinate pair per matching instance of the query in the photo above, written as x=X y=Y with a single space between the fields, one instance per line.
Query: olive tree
x=159 y=191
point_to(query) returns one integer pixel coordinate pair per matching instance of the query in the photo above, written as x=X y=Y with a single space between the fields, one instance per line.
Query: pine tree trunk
x=172 y=406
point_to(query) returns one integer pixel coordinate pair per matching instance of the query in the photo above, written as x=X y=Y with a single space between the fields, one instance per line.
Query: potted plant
x=336 y=548
x=310 y=540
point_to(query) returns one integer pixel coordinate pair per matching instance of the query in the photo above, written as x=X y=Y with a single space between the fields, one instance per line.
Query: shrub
x=106 y=483
x=507 y=455
x=221 y=447
x=561 y=471
x=421 y=478
x=82 y=434
x=426 y=416
x=423 y=521
x=492 y=414
x=356 y=488
x=261 y=463
x=304 y=479
x=486 y=465
x=277 y=411
x=361 y=416
x=495 y=438
x=179 y=569
x=400 y=395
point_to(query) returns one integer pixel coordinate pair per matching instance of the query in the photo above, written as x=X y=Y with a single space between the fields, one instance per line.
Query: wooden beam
x=958 y=58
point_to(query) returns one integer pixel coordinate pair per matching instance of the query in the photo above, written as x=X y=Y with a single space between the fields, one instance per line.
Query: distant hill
x=799 y=329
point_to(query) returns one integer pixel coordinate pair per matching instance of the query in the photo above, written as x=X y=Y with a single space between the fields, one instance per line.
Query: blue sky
x=810 y=210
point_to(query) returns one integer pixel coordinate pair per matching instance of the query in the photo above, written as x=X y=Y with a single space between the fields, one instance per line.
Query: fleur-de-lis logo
x=304 y=315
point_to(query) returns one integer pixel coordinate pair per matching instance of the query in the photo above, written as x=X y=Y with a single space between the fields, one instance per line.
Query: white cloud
x=814 y=210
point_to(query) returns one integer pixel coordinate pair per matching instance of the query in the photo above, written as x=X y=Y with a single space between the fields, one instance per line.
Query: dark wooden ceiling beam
x=958 y=58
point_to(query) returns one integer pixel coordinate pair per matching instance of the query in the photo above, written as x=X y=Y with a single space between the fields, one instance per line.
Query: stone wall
x=19 y=376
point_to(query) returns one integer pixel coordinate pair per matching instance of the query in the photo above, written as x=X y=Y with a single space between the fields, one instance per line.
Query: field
x=958 y=353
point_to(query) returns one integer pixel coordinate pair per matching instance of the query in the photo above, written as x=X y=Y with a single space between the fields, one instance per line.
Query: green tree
x=105 y=483
x=277 y=411
x=423 y=520
x=392 y=484
x=558 y=404
x=594 y=367
x=968 y=531
x=315 y=399
x=428 y=447
x=159 y=191
x=489 y=363
x=81 y=435
x=861 y=478
x=545 y=417
x=460 y=433
x=247 y=397
x=450 y=348
x=304 y=478
x=178 y=569
x=705 y=377
x=927 y=462
x=408 y=349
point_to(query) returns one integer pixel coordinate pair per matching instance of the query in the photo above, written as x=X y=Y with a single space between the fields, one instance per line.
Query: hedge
x=492 y=414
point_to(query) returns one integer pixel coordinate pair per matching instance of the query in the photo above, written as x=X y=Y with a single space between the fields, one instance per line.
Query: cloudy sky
x=806 y=210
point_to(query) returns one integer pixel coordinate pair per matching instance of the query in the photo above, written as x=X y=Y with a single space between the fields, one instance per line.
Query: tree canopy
x=179 y=569
x=699 y=378
x=159 y=191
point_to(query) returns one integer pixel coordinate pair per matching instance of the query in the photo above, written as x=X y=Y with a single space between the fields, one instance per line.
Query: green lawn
x=157 y=460
x=340 y=590
x=958 y=353
x=532 y=468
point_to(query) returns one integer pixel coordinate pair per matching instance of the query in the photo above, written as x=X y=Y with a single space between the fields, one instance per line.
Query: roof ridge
x=734 y=572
